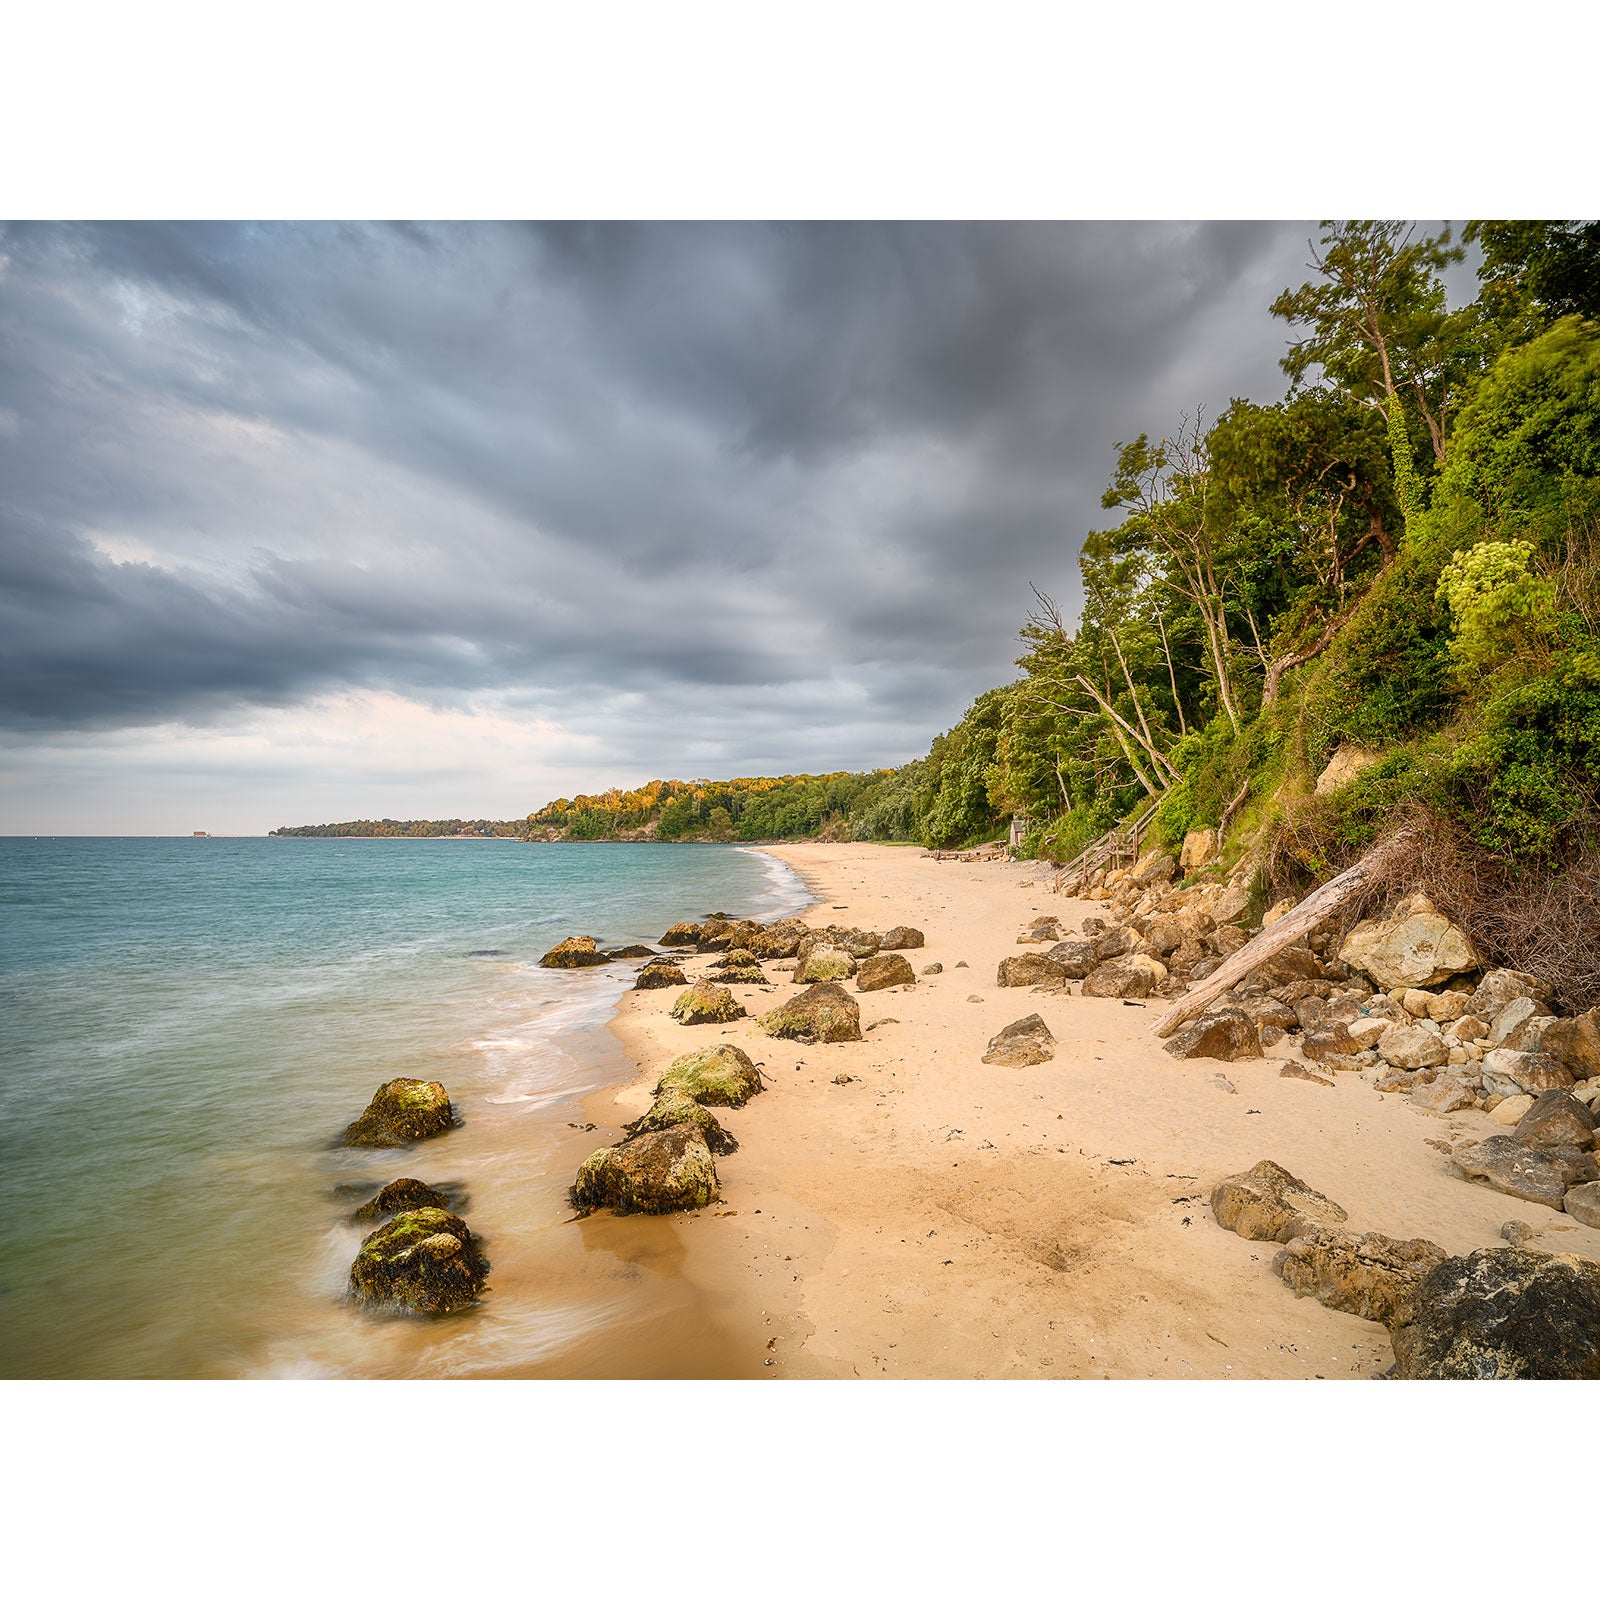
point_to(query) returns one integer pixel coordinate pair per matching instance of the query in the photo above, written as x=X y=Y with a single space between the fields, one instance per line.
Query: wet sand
x=937 y=1217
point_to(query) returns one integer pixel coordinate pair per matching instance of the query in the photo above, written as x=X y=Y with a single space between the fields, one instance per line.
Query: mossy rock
x=884 y=972
x=717 y=932
x=776 y=941
x=825 y=964
x=659 y=975
x=681 y=933
x=401 y=1112
x=719 y=1075
x=406 y=1194
x=673 y=1108
x=704 y=1001
x=657 y=1172
x=629 y=952
x=578 y=951
x=739 y=966
x=425 y=1261
x=824 y=1014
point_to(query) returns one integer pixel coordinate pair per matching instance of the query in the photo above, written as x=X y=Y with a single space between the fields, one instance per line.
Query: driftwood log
x=1306 y=917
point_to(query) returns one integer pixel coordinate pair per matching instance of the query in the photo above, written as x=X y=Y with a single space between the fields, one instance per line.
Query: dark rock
x=1075 y=957
x=578 y=951
x=1556 y=1118
x=902 y=938
x=1371 y=1276
x=884 y=972
x=1502 y=1313
x=1225 y=1035
x=659 y=975
x=401 y=1112
x=1022 y=972
x=1269 y=1202
x=824 y=1014
x=682 y=933
x=629 y=952
x=404 y=1194
x=1026 y=1043
x=1542 y=1175
x=1333 y=1040
x=424 y=1260
x=657 y=1172
x=1126 y=978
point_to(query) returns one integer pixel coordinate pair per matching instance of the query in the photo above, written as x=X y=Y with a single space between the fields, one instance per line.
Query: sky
x=305 y=523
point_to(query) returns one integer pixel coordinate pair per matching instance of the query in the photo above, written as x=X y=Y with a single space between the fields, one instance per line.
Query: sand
x=936 y=1217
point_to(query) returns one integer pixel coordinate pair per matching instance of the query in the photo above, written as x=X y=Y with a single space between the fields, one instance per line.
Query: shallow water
x=187 y=1025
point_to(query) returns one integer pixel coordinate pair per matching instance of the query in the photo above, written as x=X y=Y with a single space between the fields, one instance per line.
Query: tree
x=1534 y=273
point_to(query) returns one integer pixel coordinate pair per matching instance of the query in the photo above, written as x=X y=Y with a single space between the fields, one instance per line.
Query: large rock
x=1415 y=949
x=1583 y=1204
x=578 y=951
x=404 y=1194
x=667 y=1171
x=1443 y=1095
x=855 y=942
x=1268 y=1202
x=1516 y=1072
x=1026 y=1043
x=1509 y=1030
x=1022 y=972
x=824 y=1014
x=901 y=938
x=1411 y=1048
x=1371 y=1276
x=1575 y=1043
x=401 y=1112
x=825 y=964
x=1075 y=957
x=1555 y=1120
x=673 y=1108
x=883 y=972
x=705 y=1001
x=682 y=933
x=739 y=966
x=1500 y=986
x=1346 y=764
x=1504 y=1313
x=776 y=941
x=424 y=1260
x=1154 y=866
x=1226 y=1035
x=1331 y=1040
x=1125 y=978
x=1540 y=1175
x=719 y=1075
x=659 y=975
x=1199 y=849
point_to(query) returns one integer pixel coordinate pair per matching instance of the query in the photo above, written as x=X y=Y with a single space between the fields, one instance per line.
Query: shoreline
x=938 y=1217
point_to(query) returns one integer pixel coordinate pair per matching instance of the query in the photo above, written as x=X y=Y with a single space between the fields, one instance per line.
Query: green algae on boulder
x=739 y=966
x=424 y=1260
x=825 y=964
x=656 y=1172
x=705 y=1001
x=401 y=1112
x=775 y=941
x=884 y=972
x=719 y=1075
x=404 y=1194
x=681 y=933
x=824 y=1014
x=659 y=975
x=578 y=951
x=673 y=1108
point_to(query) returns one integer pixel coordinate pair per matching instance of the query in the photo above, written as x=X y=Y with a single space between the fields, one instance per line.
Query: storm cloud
x=693 y=499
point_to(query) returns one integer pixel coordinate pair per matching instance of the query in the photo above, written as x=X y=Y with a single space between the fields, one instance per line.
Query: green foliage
x=1497 y=600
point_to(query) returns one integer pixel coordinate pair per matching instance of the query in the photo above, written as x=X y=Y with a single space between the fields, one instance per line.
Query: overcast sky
x=307 y=523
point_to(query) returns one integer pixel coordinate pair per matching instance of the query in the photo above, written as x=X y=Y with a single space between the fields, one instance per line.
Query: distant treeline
x=389 y=828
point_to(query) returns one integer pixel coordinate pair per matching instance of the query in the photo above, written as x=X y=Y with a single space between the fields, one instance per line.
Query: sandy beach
x=939 y=1217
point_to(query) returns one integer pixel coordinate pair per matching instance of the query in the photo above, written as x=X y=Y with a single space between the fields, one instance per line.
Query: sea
x=187 y=1025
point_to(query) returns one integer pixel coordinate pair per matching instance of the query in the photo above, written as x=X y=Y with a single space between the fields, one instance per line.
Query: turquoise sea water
x=187 y=1025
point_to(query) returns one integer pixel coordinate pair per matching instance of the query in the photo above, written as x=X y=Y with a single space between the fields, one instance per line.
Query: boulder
x=1556 y=1119
x=1448 y=1005
x=1511 y=1110
x=1346 y=764
x=1541 y=1176
x=1411 y=1048
x=1154 y=866
x=1444 y=1095
x=1042 y=930
x=1267 y=1012
x=1075 y=957
x=681 y=933
x=1026 y=1043
x=1335 y=1039
x=1371 y=1276
x=1022 y=972
x=824 y=1014
x=719 y=1075
x=774 y=941
x=1509 y=1028
x=404 y=1194
x=705 y=1001
x=901 y=938
x=673 y=1108
x=401 y=1112
x=1268 y=1202
x=1114 y=942
x=424 y=1260
x=1417 y=948
x=1293 y=1069
x=629 y=952
x=1499 y=987
x=855 y=942
x=1582 y=1204
x=1502 y=1313
x=825 y=964
x=667 y=1171
x=1575 y=1043
x=1199 y=849
x=883 y=972
x=1126 y=978
x=1224 y=1035
x=1468 y=1029
x=739 y=966
x=578 y=951
x=933 y=969
x=659 y=975
x=1516 y=1072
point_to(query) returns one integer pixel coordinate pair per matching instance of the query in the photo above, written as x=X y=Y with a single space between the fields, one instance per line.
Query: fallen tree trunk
x=1314 y=910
